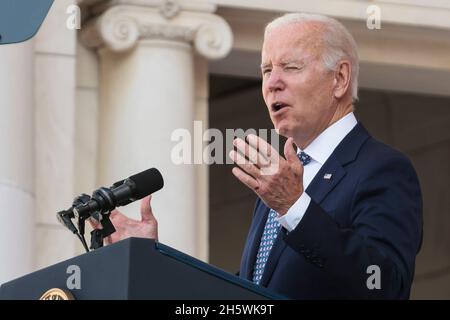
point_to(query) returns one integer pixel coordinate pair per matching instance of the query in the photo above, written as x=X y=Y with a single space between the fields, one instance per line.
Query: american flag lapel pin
x=327 y=176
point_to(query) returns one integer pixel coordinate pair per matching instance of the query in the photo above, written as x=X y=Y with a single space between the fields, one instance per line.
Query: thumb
x=289 y=152
x=94 y=223
x=146 y=209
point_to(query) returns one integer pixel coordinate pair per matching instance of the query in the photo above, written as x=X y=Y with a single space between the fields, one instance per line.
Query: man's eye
x=292 y=68
x=266 y=71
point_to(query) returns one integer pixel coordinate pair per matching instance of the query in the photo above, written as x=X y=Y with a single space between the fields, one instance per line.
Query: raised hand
x=126 y=227
x=276 y=180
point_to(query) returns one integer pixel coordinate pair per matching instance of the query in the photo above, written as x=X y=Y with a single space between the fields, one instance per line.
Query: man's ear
x=342 y=78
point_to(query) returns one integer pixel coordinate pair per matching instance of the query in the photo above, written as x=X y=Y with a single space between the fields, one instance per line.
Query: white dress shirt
x=320 y=149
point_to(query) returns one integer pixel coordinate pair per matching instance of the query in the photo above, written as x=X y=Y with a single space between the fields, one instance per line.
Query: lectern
x=135 y=268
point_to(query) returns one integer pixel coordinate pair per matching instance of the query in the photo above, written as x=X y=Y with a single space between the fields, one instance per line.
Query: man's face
x=296 y=87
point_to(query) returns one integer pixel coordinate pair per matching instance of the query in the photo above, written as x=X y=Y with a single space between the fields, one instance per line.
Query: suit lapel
x=320 y=186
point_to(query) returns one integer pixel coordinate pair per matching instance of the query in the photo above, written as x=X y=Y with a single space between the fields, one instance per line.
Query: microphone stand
x=81 y=220
x=97 y=235
x=65 y=217
x=102 y=216
x=83 y=241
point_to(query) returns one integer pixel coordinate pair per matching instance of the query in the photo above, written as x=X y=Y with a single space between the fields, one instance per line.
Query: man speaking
x=340 y=205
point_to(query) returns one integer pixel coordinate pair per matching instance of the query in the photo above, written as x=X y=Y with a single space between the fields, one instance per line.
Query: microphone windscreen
x=147 y=182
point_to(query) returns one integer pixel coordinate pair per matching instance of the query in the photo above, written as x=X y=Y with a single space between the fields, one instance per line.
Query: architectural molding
x=185 y=5
x=119 y=27
x=169 y=9
x=425 y=13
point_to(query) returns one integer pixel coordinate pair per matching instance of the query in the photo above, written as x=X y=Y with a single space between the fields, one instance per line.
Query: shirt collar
x=321 y=148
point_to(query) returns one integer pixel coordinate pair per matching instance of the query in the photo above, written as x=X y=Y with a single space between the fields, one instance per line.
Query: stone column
x=16 y=161
x=148 y=90
x=54 y=135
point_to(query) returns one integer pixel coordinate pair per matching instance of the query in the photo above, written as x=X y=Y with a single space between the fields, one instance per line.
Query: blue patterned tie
x=304 y=158
x=270 y=234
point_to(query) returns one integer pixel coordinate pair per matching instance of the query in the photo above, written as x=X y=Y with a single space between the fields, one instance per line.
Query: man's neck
x=340 y=113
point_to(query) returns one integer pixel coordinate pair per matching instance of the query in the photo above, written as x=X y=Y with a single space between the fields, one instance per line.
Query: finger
x=264 y=148
x=289 y=152
x=245 y=149
x=256 y=157
x=94 y=223
x=244 y=164
x=115 y=214
x=259 y=150
x=146 y=209
x=246 y=179
x=107 y=240
x=117 y=217
x=260 y=144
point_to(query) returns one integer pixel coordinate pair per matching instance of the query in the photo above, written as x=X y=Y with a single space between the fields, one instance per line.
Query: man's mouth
x=277 y=106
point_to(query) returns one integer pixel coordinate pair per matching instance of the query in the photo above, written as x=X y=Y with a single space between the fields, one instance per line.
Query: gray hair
x=339 y=43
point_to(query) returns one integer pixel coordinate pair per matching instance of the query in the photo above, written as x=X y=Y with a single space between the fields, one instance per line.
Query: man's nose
x=275 y=81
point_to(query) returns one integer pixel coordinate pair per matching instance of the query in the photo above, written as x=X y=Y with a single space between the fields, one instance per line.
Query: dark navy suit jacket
x=368 y=213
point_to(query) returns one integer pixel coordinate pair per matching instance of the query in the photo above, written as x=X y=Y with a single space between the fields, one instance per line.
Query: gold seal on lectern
x=57 y=294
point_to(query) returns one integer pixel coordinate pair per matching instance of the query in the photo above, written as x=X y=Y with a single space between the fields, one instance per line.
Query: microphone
x=121 y=193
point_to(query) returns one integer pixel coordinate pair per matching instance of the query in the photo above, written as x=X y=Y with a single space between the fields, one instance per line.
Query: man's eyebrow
x=294 y=61
x=287 y=62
